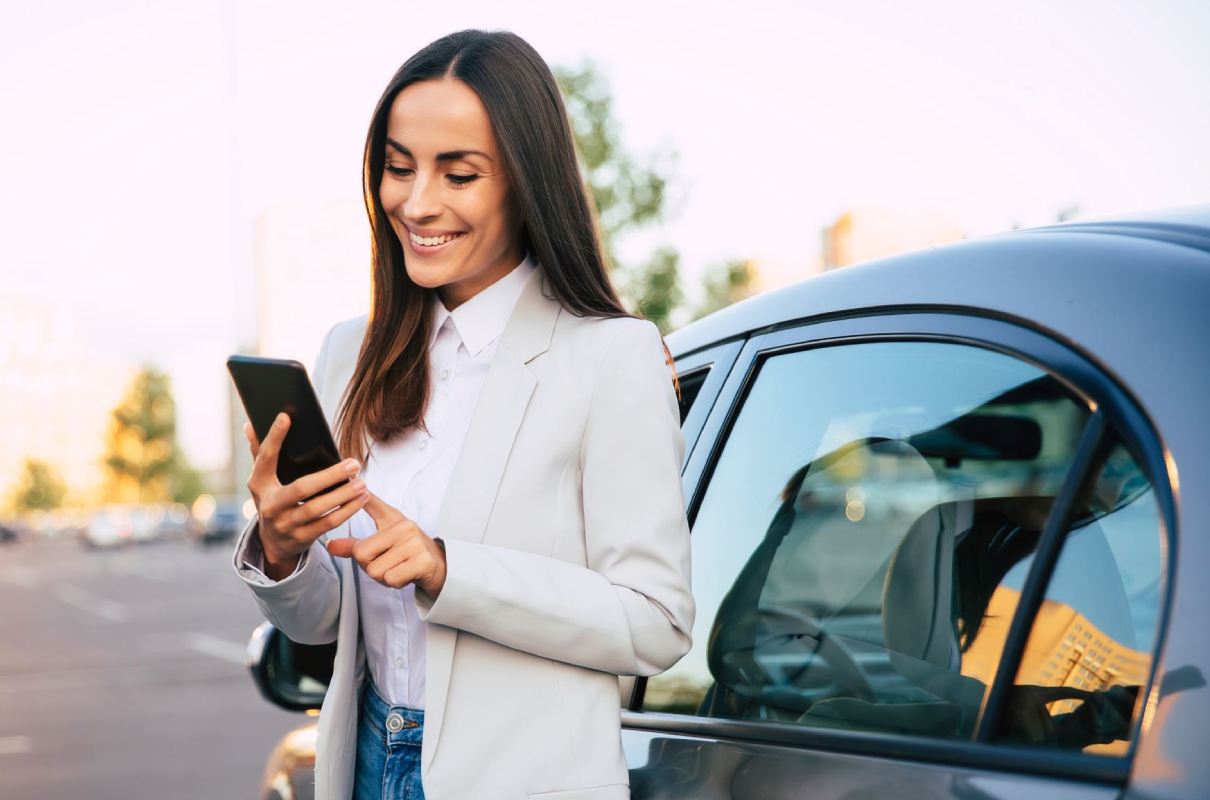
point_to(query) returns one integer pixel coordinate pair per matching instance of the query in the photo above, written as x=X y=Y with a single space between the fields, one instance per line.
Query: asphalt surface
x=122 y=675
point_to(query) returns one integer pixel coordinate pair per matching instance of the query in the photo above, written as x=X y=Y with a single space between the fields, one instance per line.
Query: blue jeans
x=388 y=749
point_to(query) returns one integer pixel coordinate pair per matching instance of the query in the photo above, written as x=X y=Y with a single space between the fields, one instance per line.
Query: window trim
x=1088 y=380
x=719 y=360
x=954 y=752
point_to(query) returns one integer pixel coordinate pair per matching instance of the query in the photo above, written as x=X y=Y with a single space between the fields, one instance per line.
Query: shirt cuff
x=254 y=559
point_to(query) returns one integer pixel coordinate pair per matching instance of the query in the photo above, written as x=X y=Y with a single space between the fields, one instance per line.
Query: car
x=949 y=514
x=108 y=527
x=8 y=534
x=218 y=520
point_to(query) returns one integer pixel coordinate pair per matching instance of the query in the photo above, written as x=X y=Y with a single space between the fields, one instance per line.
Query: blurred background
x=182 y=182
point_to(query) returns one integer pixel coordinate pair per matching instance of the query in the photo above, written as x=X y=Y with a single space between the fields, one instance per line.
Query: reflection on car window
x=1089 y=652
x=867 y=504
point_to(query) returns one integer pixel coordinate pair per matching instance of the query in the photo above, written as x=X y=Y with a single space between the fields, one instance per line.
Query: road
x=122 y=675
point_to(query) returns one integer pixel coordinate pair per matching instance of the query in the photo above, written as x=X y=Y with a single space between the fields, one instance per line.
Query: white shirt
x=412 y=472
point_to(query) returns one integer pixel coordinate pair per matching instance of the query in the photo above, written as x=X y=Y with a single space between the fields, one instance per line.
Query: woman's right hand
x=288 y=525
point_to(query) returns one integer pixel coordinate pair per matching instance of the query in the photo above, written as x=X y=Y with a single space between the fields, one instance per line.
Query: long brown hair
x=390 y=384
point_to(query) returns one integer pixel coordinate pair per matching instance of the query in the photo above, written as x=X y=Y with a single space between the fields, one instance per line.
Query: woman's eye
x=461 y=180
x=400 y=171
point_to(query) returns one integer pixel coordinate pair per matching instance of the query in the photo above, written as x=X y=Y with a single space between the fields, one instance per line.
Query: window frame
x=718 y=359
x=1108 y=403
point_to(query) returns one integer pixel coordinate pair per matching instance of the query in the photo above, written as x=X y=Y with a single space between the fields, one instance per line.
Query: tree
x=627 y=195
x=659 y=294
x=726 y=283
x=142 y=458
x=40 y=488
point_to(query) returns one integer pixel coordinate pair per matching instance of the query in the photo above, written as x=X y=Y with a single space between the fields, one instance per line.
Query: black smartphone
x=269 y=386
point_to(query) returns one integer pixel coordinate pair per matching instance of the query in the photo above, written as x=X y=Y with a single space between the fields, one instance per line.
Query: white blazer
x=568 y=564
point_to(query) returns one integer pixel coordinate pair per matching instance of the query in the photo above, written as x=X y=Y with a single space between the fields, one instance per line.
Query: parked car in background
x=111 y=526
x=949 y=517
x=217 y=520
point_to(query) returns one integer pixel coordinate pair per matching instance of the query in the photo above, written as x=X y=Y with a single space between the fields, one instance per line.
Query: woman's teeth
x=432 y=241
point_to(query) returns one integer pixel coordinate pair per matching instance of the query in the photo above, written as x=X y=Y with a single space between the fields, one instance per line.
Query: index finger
x=266 y=459
x=381 y=512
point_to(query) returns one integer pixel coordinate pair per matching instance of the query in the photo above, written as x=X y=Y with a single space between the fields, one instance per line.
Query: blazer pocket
x=610 y=791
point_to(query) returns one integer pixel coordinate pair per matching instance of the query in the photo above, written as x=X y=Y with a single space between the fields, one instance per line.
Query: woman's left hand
x=398 y=554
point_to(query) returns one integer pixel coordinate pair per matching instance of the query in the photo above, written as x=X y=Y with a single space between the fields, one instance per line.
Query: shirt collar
x=480 y=320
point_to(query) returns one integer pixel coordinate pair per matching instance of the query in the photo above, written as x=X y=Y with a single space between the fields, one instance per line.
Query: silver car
x=945 y=513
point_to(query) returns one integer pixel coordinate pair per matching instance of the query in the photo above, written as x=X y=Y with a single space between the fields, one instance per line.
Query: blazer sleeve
x=630 y=610
x=304 y=605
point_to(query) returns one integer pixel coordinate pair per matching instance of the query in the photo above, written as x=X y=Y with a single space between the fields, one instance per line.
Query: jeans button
x=394 y=723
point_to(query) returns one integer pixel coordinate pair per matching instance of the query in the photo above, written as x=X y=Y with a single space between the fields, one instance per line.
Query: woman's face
x=445 y=192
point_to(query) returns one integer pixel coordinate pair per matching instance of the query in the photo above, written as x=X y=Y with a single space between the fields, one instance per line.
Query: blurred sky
x=142 y=140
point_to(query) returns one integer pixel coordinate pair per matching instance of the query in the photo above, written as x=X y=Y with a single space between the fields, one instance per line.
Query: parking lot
x=121 y=674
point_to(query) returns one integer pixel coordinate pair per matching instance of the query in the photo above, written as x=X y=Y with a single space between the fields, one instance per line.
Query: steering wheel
x=847 y=675
x=776 y=627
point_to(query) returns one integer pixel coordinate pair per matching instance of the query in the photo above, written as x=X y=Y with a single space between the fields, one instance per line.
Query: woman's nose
x=422 y=201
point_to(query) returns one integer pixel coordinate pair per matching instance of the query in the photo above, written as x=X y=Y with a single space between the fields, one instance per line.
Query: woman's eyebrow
x=451 y=155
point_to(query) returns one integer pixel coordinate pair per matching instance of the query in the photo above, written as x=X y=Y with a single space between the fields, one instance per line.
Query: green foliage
x=627 y=195
x=658 y=288
x=142 y=459
x=40 y=488
x=187 y=482
x=725 y=283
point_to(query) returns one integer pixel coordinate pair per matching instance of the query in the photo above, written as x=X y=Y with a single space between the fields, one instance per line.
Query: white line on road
x=218 y=648
x=87 y=601
x=12 y=745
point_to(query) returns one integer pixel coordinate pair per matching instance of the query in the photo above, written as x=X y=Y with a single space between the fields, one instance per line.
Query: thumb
x=381 y=512
x=341 y=548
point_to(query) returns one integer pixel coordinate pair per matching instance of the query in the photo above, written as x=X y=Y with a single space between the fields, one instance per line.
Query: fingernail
x=281 y=419
x=351 y=466
x=359 y=485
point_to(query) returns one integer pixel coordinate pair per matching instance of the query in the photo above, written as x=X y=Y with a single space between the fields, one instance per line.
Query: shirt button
x=445 y=373
x=423 y=444
x=398 y=661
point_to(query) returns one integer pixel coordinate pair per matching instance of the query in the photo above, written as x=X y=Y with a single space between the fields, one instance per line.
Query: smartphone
x=269 y=386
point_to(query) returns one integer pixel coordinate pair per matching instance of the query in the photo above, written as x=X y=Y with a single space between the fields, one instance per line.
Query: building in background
x=312 y=268
x=57 y=396
x=770 y=274
x=312 y=271
x=864 y=234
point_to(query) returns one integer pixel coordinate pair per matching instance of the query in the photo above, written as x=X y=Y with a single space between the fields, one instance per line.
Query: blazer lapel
x=471 y=492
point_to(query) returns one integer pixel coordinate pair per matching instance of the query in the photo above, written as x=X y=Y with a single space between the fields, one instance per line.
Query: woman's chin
x=426 y=279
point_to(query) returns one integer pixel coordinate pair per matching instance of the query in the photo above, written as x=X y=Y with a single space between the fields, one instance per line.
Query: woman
x=524 y=540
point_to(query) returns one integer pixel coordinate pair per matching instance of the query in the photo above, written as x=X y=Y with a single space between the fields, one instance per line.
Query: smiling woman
x=512 y=435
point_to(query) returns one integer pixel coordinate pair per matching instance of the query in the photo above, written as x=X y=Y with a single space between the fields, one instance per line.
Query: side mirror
x=290 y=675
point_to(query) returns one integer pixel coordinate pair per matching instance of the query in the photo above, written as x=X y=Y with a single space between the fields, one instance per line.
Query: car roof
x=1097 y=275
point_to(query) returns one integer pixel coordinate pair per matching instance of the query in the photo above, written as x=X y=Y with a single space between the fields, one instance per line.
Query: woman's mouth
x=427 y=245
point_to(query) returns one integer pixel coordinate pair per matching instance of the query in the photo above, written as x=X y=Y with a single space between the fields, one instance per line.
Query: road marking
x=13 y=745
x=87 y=601
x=21 y=576
x=218 y=648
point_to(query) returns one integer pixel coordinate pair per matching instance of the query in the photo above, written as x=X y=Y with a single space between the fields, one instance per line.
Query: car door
x=929 y=558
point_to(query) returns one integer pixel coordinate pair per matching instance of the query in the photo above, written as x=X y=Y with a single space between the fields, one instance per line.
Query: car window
x=1088 y=654
x=691 y=385
x=854 y=529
